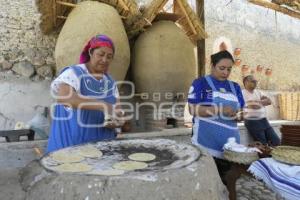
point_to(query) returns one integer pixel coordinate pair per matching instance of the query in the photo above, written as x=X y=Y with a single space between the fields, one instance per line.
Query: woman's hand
x=119 y=113
x=227 y=111
x=115 y=120
x=239 y=116
x=112 y=123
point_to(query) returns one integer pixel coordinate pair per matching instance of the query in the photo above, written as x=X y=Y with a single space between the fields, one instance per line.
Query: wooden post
x=201 y=43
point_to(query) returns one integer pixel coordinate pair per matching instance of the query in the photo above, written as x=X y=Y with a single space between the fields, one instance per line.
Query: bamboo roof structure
x=288 y=7
x=187 y=20
x=55 y=12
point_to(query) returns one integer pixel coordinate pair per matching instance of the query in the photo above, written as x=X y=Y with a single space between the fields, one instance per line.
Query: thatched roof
x=295 y=4
x=55 y=12
x=189 y=22
x=52 y=13
x=136 y=20
x=288 y=7
x=182 y=14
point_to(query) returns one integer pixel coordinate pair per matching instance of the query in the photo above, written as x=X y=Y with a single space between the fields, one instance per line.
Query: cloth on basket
x=233 y=146
x=281 y=178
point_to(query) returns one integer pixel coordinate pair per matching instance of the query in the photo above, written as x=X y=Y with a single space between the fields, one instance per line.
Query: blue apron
x=72 y=126
x=212 y=133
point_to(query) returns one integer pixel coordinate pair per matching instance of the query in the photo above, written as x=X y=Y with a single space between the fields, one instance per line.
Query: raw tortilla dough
x=73 y=167
x=108 y=172
x=130 y=165
x=66 y=157
x=89 y=152
x=142 y=157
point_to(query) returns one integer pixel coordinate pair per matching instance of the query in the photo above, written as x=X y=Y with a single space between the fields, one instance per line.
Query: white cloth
x=233 y=146
x=69 y=77
x=281 y=178
x=254 y=113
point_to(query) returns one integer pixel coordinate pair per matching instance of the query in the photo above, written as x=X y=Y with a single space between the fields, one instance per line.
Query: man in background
x=255 y=113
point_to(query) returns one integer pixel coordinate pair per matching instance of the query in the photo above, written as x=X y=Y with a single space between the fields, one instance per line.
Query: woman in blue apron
x=214 y=102
x=84 y=93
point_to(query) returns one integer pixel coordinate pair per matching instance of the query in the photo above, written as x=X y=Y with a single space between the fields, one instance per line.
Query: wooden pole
x=201 y=43
x=276 y=7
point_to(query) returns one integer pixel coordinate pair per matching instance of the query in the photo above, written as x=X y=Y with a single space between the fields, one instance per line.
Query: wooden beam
x=186 y=16
x=66 y=4
x=201 y=43
x=276 y=7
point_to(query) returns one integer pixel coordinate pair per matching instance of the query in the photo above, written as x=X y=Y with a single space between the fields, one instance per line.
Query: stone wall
x=265 y=38
x=24 y=50
x=26 y=60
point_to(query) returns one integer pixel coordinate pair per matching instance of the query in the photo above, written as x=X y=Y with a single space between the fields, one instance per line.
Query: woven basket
x=240 y=157
x=287 y=154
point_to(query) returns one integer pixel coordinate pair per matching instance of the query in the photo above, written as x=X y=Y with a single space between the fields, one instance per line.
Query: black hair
x=246 y=78
x=215 y=58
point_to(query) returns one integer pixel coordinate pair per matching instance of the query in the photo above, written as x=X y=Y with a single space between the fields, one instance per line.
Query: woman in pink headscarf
x=85 y=94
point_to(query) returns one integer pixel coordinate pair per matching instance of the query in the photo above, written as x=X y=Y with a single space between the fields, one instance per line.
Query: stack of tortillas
x=71 y=161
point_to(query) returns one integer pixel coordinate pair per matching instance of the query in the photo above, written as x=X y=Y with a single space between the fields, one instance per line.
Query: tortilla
x=130 y=165
x=108 y=172
x=142 y=157
x=73 y=167
x=66 y=157
x=89 y=152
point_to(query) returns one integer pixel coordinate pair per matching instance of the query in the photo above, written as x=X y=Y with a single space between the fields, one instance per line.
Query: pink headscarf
x=95 y=42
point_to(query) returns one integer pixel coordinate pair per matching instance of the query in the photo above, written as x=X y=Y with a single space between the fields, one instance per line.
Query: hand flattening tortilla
x=142 y=157
x=130 y=165
x=66 y=157
x=89 y=152
x=73 y=167
x=108 y=172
